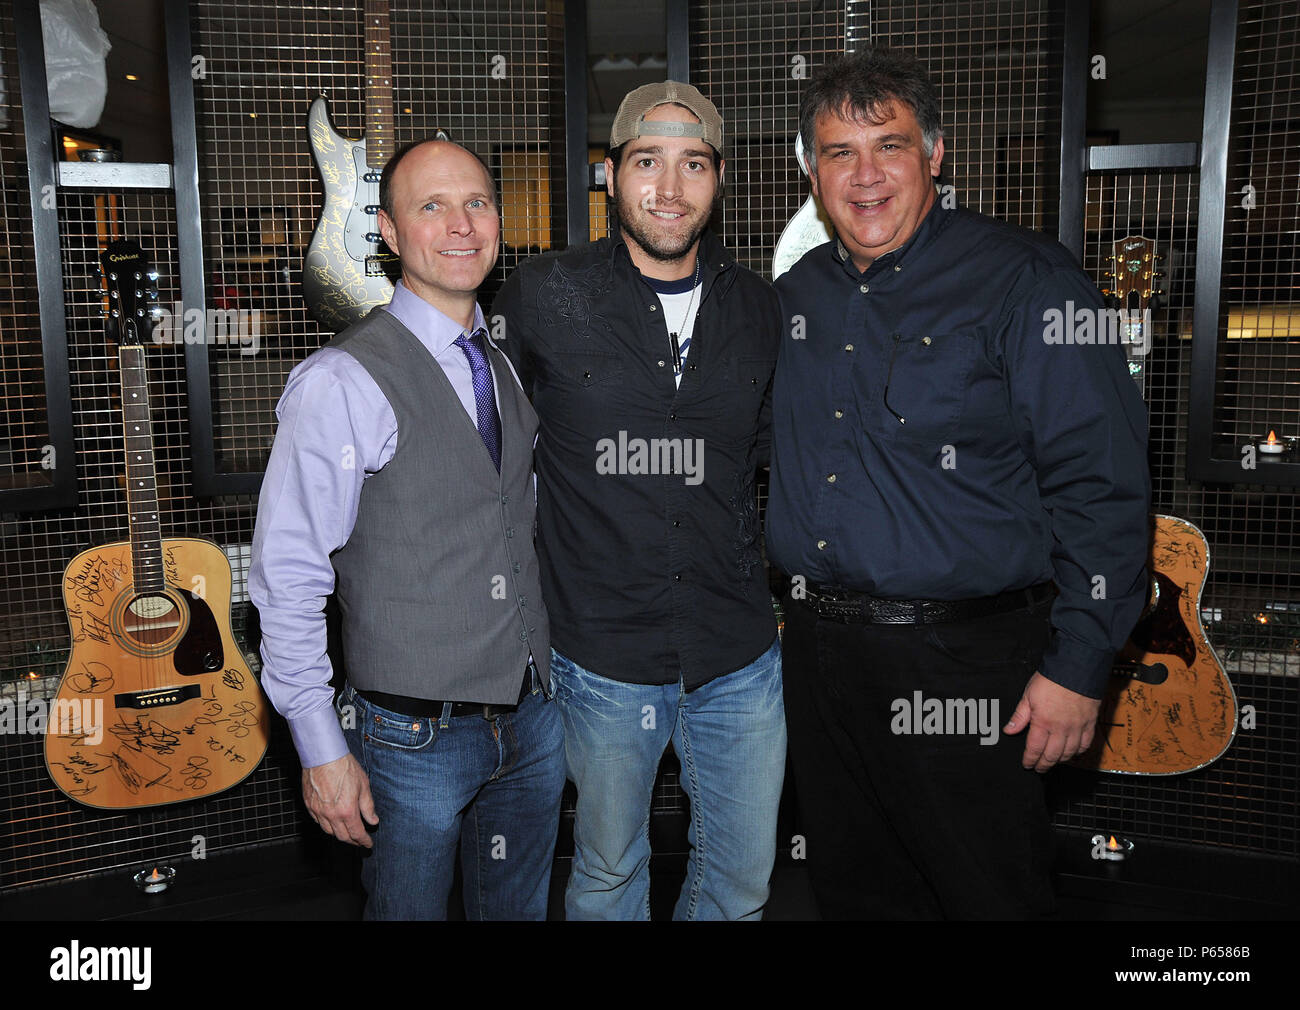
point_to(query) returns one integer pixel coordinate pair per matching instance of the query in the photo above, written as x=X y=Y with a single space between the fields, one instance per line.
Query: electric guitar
x=1170 y=707
x=346 y=270
x=156 y=705
x=808 y=228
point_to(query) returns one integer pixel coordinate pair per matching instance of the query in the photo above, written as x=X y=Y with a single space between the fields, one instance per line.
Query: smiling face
x=444 y=226
x=663 y=191
x=875 y=180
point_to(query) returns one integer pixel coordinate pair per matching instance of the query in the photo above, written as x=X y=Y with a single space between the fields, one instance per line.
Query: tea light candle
x=1112 y=848
x=155 y=880
x=1272 y=446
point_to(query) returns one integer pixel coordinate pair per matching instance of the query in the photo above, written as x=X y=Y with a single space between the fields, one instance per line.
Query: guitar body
x=156 y=705
x=1171 y=707
x=343 y=274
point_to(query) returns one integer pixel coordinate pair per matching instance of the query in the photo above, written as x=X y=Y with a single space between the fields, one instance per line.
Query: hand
x=1061 y=722
x=337 y=795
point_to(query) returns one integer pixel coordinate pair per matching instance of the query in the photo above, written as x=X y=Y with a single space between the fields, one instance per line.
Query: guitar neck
x=379 y=85
x=141 y=481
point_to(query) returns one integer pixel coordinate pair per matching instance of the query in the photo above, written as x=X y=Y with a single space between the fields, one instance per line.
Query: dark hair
x=868 y=82
x=386 y=177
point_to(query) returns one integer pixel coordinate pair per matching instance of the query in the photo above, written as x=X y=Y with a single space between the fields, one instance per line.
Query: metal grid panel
x=752 y=59
x=484 y=72
x=24 y=430
x=1257 y=387
x=996 y=64
x=1247 y=799
x=47 y=835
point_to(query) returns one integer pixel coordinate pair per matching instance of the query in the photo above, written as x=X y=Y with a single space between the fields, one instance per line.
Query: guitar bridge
x=156 y=699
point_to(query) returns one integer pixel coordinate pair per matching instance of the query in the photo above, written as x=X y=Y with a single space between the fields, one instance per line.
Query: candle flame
x=158 y=876
x=1112 y=844
x=1272 y=438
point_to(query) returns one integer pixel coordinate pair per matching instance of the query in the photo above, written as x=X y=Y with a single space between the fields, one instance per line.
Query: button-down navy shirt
x=935 y=437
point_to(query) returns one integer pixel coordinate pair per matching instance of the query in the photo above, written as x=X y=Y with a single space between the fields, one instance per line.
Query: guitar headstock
x=132 y=288
x=1131 y=290
x=1133 y=274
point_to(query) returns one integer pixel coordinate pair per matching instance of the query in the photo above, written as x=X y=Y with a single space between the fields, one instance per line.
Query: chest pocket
x=923 y=388
x=588 y=369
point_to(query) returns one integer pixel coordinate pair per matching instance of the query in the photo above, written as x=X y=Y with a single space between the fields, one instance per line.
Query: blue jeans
x=729 y=736
x=490 y=786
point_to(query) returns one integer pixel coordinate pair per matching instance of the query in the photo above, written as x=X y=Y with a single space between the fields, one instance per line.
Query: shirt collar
x=935 y=220
x=434 y=329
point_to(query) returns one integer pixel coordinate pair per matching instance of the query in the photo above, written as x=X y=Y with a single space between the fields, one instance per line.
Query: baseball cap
x=630 y=121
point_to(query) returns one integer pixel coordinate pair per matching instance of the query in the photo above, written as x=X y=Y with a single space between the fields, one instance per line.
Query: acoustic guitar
x=1170 y=707
x=156 y=705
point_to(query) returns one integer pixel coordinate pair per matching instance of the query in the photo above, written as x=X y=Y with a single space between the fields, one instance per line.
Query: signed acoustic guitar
x=156 y=705
x=1170 y=707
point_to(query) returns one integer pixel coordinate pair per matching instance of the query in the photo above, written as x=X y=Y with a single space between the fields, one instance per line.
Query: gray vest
x=438 y=585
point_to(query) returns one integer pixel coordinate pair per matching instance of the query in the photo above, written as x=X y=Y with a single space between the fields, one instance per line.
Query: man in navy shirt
x=959 y=495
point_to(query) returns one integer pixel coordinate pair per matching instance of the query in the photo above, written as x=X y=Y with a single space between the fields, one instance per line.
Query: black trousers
x=909 y=806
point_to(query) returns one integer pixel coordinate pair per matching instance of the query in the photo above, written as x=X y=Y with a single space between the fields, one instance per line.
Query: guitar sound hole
x=151 y=619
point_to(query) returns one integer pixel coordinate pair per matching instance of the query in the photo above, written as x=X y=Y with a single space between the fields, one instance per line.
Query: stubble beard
x=655 y=247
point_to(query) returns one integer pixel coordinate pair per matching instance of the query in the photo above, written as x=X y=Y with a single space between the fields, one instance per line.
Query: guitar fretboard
x=141 y=482
x=379 y=85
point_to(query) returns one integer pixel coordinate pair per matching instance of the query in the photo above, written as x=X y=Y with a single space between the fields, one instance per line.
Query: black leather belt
x=429 y=708
x=850 y=607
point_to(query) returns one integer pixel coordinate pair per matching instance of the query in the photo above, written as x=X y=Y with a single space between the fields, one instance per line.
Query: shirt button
x=848 y=347
x=505 y=499
x=415 y=727
x=510 y=532
x=523 y=636
x=654 y=308
x=516 y=567
x=839 y=414
x=830 y=479
x=692 y=366
x=898 y=267
x=672 y=416
x=677 y=578
x=821 y=545
x=676 y=523
x=865 y=288
x=661 y=364
x=523 y=601
x=926 y=341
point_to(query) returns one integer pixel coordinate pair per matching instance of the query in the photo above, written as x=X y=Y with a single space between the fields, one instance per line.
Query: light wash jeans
x=729 y=736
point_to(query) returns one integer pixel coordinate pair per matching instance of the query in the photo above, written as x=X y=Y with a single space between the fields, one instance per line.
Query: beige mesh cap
x=630 y=121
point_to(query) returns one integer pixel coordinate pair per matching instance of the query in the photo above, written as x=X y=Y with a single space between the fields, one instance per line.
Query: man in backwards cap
x=648 y=358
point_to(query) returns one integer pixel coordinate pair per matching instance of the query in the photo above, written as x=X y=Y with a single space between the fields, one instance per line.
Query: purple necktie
x=485 y=404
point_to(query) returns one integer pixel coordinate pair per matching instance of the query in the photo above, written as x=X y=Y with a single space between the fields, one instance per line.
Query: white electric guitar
x=807 y=229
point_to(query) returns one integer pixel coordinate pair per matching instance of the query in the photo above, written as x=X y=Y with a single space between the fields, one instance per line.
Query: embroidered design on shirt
x=570 y=294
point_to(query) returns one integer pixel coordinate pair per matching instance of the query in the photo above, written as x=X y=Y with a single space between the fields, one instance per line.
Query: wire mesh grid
x=1247 y=799
x=1258 y=376
x=24 y=430
x=46 y=835
x=483 y=72
x=996 y=64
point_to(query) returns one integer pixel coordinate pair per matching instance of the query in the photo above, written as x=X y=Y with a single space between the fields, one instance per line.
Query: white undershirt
x=675 y=306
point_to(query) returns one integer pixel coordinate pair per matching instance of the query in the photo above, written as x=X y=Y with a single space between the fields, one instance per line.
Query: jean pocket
x=395 y=731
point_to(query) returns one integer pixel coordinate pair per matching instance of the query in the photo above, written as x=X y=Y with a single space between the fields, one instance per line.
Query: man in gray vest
x=401 y=478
